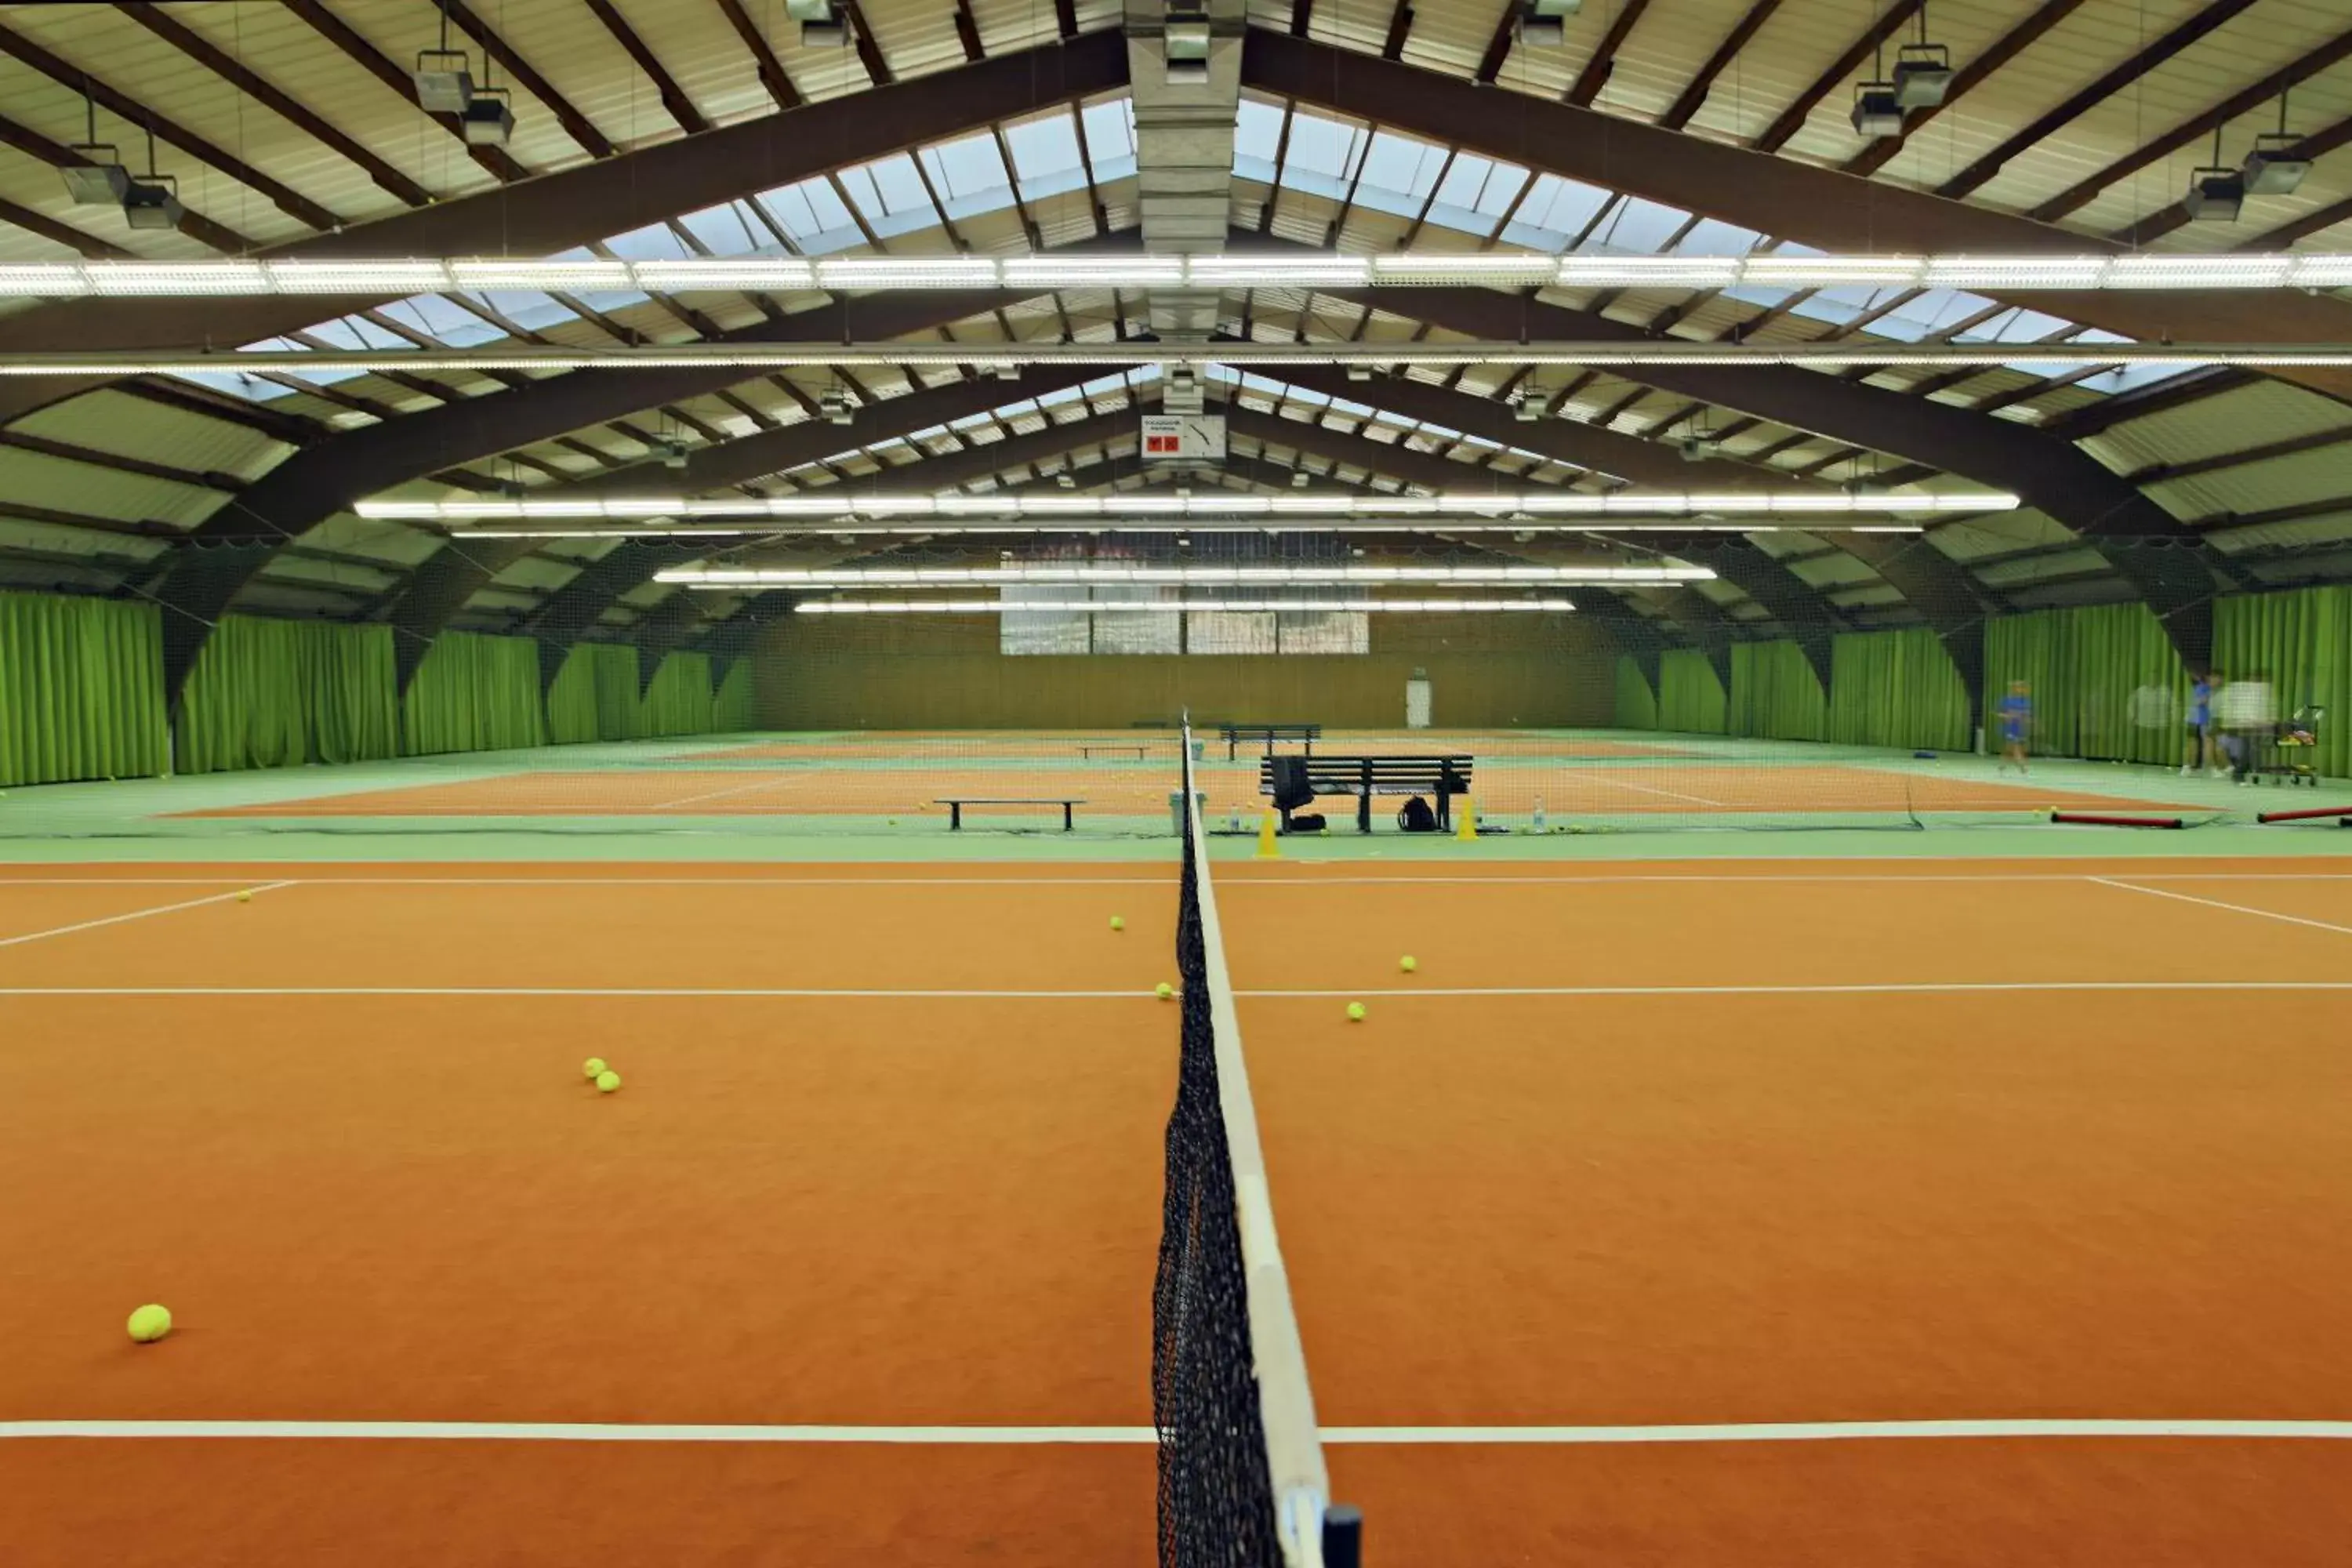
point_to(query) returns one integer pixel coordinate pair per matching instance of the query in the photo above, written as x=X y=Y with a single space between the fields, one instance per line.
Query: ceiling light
x=2277 y=165
x=1167 y=606
x=489 y=119
x=152 y=201
x=1176 y=575
x=1519 y=528
x=1211 y=504
x=100 y=181
x=1878 y=112
x=2217 y=193
x=1923 y=73
x=444 y=79
x=821 y=27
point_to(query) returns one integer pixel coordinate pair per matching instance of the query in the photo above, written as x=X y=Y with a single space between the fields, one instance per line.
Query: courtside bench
x=1233 y=735
x=1440 y=777
x=956 y=803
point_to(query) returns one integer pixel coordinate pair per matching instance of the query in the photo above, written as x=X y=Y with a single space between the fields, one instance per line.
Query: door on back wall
x=1417 y=702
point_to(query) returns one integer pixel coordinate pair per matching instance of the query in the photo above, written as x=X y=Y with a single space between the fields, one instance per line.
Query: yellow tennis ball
x=1163 y=991
x=1119 y=923
x=244 y=898
x=607 y=1081
x=149 y=1323
x=594 y=1068
x=1355 y=1012
x=1408 y=964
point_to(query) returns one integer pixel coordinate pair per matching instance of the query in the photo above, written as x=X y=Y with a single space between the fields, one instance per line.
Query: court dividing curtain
x=734 y=705
x=678 y=700
x=1775 y=694
x=2301 y=642
x=1896 y=688
x=1637 y=705
x=1690 y=696
x=2104 y=681
x=474 y=693
x=595 y=695
x=81 y=688
x=277 y=694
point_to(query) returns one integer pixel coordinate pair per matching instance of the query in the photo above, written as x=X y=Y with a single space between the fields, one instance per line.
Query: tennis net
x=1242 y=1479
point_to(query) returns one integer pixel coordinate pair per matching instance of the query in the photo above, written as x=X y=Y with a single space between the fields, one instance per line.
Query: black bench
x=1441 y=777
x=1233 y=735
x=1087 y=752
x=955 y=806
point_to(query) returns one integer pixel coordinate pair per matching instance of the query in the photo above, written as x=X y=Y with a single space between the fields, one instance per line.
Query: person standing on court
x=2016 y=713
x=2202 y=753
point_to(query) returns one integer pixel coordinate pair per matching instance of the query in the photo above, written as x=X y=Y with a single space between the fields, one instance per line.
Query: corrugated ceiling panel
x=2251 y=416
x=2024 y=528
x=2284 y=535
x=31 y=478
x=118 y=422
x=385 y=541
x=61 y=538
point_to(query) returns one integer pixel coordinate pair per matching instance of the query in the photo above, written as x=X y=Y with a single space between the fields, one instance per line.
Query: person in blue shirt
x=2016 y=714
x=2202 y=750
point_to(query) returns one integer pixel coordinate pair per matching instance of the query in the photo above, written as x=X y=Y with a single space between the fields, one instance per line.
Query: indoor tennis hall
x=1480 y=784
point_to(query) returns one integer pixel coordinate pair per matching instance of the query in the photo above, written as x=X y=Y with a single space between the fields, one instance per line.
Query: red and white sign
x=1183 y=438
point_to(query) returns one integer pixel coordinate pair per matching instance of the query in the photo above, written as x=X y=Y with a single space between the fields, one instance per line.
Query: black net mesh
x=1217 y=1494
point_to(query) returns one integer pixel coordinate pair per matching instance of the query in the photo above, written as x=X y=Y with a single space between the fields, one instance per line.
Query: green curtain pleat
x=2301 y=642
x=1690 y=696
x=273 y=694
x=1775 y=694
x=1637 y=705
x=474 y=693
x=1896 y=688
x=678 y=700
x=81 y=688
x=595 y=695
x=2104 y=681
x=733 y=707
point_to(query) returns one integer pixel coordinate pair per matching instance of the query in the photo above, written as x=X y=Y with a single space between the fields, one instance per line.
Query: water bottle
x=1234 y=819
x=1539 y=816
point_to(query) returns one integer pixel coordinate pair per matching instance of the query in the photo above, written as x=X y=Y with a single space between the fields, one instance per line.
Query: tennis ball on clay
x=1163 y=991
x=607 y=1081
x=1408 y=964
x=1355 y=1012
x=244 y=897
x=592 y=1068
x=149 y=1323
x=1119 y=923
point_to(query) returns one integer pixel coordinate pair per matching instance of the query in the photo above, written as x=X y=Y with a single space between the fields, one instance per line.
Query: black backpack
x=1414 y=817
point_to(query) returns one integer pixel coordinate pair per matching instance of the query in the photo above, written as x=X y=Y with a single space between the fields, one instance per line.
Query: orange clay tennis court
x=1707 y=1146
x=1691 y=789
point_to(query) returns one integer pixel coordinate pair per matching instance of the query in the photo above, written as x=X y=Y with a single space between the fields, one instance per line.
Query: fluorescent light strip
x=751 y=358
x=1226 y=576
x=1220 y=504
x=1170 y=606
x=758 y=274
x=851 y=528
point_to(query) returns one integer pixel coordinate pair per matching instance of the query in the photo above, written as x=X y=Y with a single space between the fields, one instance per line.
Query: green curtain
x=2104 y=681
x=1775 y=693
x=595 y=695
x=1690 y=696
x=274 y=694
x=678 y=700
x=474 y=693
x=732 y=706
x=1896 y=688
x=1637 y=705
x=2301 y=642
x=81 y=688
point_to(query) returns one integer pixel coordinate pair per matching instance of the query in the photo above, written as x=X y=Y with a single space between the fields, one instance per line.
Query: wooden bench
x=955 y=806
x=1088 y=751
x=1441 y=777
x=1233 y=735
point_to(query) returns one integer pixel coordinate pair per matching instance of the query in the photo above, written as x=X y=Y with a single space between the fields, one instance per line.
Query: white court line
x=1505 y=879
x=1668 y=794
x=1921 y=988
x=1925 y=988
x=653 y=1432
x=137 y=914
x=562 y=991
x=720 y=794
x=2218 y=904
x=1153 y=881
